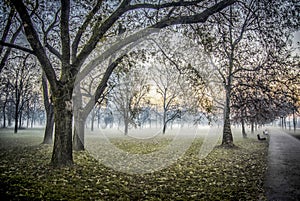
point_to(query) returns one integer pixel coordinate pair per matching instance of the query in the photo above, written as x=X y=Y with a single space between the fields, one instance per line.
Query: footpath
x=282 y=180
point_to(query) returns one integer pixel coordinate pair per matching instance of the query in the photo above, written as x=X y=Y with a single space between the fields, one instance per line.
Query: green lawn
x=225 y=174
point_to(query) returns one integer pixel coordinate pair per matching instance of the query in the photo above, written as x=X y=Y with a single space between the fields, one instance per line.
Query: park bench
x=260 y=138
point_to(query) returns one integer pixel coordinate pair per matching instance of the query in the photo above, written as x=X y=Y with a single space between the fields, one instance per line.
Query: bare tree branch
x=65 y=35
x=34 y=41
x=7 y=27
x=98 y=32
x=164 y=5
x=83 y=27
x=2 y=43
x=202 y=17
x=102 y=86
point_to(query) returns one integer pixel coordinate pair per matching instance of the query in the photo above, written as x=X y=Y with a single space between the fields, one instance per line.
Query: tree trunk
x=79 y=118
x=93 y=119
x=49 y=125
x=164 y=116
x=243 y=128
x=284 y=120
x=16 y=117
x=227 y=134
x=164 y=128
x=16 y=108
x=98 y=118
x=32 y=122
x=294 y=121
x=126 y=124
x=33 y=116
x=62 y=150
x=78 y=137
x=20 y=119
x=252 y=127
x=4 y=115
x=9 y=115
x=48 y=135
x=243 y=123
x=28 y=116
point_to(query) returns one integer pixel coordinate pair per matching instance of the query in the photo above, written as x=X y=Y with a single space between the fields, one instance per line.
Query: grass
x=225 y=174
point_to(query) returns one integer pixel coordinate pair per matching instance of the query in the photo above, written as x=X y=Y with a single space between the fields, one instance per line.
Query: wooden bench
x=260 y=138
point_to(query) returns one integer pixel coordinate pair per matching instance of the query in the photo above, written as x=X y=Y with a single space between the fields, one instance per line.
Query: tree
x=21 y=78
x=72 y=49
x=166 y=79
x=130 y=88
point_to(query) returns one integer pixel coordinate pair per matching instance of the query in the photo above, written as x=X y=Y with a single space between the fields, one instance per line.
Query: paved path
x=282 y=180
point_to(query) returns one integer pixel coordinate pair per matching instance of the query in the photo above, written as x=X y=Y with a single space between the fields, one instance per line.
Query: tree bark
x=244 y=134
x=243 y=128
x=9 y=115
x=126 y=122
x=79 y=118
x=62 y=150
x=164 y=128
x=4 y=112
x=48 y=135
x=78 y=137
x=20 y=118
x=252 y=126
x=28 y=116
x=16 y=112
x=227 y=134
